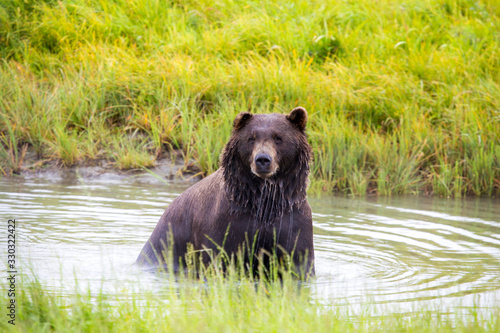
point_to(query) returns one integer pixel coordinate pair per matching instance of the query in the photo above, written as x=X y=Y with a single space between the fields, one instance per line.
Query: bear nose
x=263 y=161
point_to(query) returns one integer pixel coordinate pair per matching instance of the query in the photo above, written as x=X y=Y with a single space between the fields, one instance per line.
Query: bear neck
x=265 y=200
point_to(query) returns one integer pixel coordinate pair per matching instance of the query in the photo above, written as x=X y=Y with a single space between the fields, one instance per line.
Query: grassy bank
x=403 y=96
x=220 y=305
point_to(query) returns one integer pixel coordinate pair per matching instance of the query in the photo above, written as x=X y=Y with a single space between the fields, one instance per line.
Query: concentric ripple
x=397 y=251
x=409 y=249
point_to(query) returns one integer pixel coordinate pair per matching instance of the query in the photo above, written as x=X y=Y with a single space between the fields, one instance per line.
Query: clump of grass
x=160 y=127
x=131 y=153
x=212 y=134
x=447 y=178
x=397 y=166
x=12 y=157
x=11 y=151
x=341 y=157
x=65 y=146
x=481 y=168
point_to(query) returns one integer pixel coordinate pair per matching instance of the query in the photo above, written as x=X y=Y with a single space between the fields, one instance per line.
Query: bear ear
x=241 y=119
x=298 y=117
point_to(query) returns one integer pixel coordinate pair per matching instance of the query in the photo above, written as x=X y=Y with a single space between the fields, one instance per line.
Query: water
x=402 y=252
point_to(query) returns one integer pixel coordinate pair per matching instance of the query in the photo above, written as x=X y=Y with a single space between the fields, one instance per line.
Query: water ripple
x=385 y=251
x=407 y=254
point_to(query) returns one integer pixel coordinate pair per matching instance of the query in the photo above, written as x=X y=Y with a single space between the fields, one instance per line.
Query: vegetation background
x=403 y=96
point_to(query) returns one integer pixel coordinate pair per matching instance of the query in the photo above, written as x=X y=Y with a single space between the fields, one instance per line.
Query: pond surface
x=397 y=252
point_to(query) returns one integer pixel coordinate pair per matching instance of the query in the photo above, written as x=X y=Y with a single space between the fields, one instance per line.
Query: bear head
x=267 y=154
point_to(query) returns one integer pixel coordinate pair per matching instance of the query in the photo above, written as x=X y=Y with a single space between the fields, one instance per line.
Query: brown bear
x=255 y=201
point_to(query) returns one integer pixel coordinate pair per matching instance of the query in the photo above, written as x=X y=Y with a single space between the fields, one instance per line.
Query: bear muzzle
x=264 y=165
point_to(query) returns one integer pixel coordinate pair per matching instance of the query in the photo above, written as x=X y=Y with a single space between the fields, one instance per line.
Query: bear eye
x=251 y=139
x=278 y=139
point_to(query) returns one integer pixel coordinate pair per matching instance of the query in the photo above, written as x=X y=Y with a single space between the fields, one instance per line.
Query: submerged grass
x=403 y=96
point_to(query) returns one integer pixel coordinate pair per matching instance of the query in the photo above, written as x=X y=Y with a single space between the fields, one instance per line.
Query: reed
x=403 y=96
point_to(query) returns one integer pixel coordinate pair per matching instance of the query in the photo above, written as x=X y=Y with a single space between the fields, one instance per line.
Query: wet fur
x=233 y=206
x=247 y=191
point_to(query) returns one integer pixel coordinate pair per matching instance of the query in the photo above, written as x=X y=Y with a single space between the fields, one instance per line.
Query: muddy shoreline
x=166 y=170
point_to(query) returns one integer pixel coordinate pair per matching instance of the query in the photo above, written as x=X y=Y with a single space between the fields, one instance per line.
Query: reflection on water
x=395 y=251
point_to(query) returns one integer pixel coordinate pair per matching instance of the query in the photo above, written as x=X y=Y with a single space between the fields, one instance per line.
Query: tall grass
x=402 y=96
x=11 y=154
x=222 y=302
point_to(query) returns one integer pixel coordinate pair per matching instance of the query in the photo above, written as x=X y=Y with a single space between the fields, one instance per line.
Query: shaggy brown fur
x=258 y=193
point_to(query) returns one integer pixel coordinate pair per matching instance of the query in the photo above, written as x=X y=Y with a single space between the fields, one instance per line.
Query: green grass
x=403 y=97
x=221 y=304
x=230 y=299
x=11 y=154
x=131 y=153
